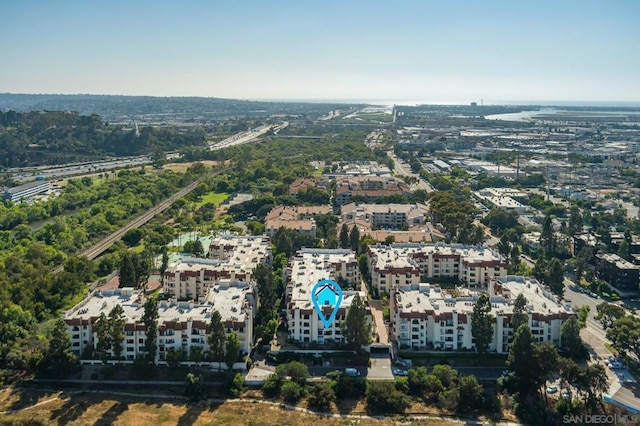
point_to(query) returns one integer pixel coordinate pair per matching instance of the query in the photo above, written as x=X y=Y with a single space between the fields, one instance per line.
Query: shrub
x=321 y=396
x=383 y=397
x=272 y=386
x=194 y=388
x=237 y=385
x=292 y=392
x=471 y=393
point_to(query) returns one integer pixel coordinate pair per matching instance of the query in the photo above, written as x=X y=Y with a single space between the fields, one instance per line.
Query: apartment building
x=424 y=316
x=618 y=272
x=368 y=186
x=306 y=269
x=297 y=218
x=404 y=264
x=231 y=257
x=181 y=325
x=386 y=216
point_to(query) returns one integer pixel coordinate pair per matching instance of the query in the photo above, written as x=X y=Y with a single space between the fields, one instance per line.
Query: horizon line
x=369 y=101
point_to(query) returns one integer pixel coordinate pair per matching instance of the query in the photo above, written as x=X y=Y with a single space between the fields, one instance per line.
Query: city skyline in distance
x=544 y=52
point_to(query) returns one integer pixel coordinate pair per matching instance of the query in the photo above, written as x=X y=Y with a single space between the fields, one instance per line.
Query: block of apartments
x=196 y=287
x=424 y=316
x=412 y=263
x=230 y=257
x=181 y=325
x=297 y=218
x=305 y=270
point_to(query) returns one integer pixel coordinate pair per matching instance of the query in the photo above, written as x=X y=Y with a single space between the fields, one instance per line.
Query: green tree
x=547 y=237
x=520 y=359
x=555 y=277
x=448 y=376
x=481 y=326
x=583 y=262
x=575 y=221
x=583 y=314
x=592 y=383
x=232 y=351
x=417 y=380
x=608 y=313
x=194 y=387
x=545 y=357
x=198 y=248
x=570 y=336
x=356 y=329
x=103 y=335
x=624 y=335
x=165 y=263
x=127 y=272
x=322 y=396
x=59 y=355
x=271 y=386
x=116 y=328
x=292 y=392
x=298 y=372
x=383 y=397
x=141 y=265
x=216 y=337
x=471 y=393
x=520 y=315
x=354 y=239
x=236 y=385
x=133 y=237
x=150 y=321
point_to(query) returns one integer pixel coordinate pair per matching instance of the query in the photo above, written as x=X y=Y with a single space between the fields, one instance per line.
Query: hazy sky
x=437 y=51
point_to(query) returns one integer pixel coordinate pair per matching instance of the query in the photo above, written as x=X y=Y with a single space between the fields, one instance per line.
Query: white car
x=400 y=372
x=552 y=389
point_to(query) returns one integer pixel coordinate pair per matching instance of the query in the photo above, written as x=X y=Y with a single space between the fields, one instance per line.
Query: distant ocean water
x=414 y=102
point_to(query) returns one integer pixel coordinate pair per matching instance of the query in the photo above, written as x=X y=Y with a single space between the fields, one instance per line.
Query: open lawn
x=213 y=197
x=182 y=167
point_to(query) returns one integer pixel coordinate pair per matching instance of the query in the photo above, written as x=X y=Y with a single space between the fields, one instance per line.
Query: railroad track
x=100 y=247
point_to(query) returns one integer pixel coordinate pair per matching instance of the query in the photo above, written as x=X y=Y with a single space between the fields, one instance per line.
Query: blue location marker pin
x=327 y=293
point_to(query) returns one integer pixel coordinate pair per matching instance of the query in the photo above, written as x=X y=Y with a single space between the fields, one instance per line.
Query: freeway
x=248 y=136
x=100 y=247
x=25 y=174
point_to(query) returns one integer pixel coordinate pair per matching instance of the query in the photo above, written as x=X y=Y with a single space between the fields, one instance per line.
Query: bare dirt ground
x=40 y=407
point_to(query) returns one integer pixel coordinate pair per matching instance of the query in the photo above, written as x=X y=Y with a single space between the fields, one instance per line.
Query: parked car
x=352 y=372
x=566 y=394
x=400 y=372
x=552 y=389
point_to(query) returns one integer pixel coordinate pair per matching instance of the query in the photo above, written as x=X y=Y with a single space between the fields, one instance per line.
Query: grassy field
x=182 y=167
x=84 y=407
x=213 y=197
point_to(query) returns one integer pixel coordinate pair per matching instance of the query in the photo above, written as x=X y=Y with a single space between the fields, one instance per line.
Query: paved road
x=403 y=169
x=75 y=169
x=248 y=136
x=596 y=337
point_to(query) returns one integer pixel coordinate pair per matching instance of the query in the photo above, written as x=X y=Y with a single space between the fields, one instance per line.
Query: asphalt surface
x=596 y=338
